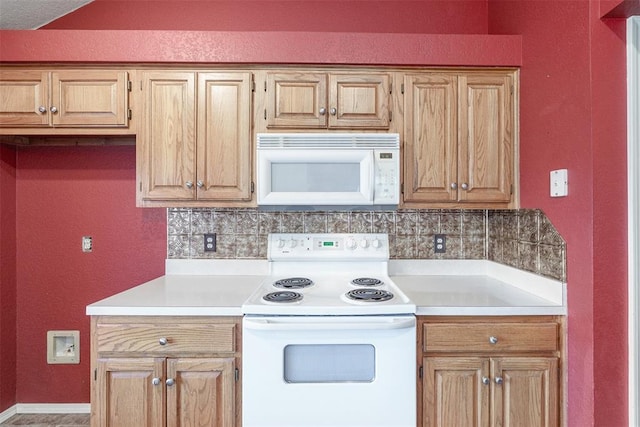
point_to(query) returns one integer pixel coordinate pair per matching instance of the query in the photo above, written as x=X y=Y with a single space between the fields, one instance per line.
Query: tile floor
x=47 y=420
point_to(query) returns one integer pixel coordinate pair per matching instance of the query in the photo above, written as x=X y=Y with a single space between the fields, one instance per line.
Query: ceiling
x=32 y=14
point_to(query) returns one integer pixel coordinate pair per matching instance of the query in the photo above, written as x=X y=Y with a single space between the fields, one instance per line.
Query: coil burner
x=293 y=283
x=282 y=297
x=369 y=295
x=367 y=281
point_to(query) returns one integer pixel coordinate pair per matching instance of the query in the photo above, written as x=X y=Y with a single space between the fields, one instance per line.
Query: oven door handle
x=272 y=324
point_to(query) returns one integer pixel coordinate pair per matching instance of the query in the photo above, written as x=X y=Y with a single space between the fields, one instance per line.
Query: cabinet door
x=167 y=145
x=430 y=146
x=202 y=393
x=224 y=136
x=296 y=100
x=454 y=393
x=359 y=101
x=526 y=391
x=24 y=98
x=486 y=121
x=126 y=395
x=89 y=98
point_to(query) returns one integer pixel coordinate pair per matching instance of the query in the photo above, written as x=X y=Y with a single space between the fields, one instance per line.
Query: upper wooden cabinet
x=86 y=98
x=459 y=145
x=195 y=140
x=317 y=100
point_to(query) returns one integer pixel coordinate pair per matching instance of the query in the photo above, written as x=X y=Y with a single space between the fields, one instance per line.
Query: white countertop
x=451 y=287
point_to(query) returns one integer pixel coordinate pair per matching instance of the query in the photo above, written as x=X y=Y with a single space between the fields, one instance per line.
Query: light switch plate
x=558 y=183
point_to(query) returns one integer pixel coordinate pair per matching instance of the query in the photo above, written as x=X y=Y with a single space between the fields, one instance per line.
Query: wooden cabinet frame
x=460 y=139
x=195 y=134
x=80 y=101
x=194 y=146
x=325 y=100
x=191 y=379
x=468 y=379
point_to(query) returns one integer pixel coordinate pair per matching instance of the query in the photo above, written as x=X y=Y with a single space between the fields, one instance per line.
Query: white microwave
x=326 y=169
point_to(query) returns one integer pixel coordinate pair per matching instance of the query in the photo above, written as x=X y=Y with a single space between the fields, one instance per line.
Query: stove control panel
x=307 y=246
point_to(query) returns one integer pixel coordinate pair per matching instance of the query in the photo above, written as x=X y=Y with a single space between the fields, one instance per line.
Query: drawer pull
x=163 y=341
x=486 y=380
x=155 y=381
x=499 y=380
x=170 y=382
x=493 y=340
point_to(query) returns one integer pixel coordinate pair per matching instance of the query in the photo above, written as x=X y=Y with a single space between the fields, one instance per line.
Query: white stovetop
x=451 y=287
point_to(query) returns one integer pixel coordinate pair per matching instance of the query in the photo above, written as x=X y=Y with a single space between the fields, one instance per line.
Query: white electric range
x=326 y=332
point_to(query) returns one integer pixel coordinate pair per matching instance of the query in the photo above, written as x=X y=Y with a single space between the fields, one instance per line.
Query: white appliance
x=320 y=169
x=315 y=356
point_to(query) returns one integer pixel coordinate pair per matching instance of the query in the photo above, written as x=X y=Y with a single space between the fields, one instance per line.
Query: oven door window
x=329 y=363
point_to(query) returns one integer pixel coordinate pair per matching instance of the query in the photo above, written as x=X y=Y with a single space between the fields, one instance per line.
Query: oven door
x=315 y=177
x=337 y=371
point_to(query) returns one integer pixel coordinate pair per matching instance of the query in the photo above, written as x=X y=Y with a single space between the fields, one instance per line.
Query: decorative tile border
x=523 y=238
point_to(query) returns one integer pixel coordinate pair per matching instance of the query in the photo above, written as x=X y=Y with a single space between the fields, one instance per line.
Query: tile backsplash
x=522 y=238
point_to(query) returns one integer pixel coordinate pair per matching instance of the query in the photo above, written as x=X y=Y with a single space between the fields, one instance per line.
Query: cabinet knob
x=200 y=184
x=486 y=380
x=454 y=185
x=323 y=111
x=493 y=340
x=155 y=381
x=499 y=380
x=189 y=184
x=53 y=110
x=42 y=109
x=163 y=341
x=465 y=186
x=170 y=382
x=333 y=111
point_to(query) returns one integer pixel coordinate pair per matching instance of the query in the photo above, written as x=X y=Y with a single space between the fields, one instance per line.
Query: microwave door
x=315 y=177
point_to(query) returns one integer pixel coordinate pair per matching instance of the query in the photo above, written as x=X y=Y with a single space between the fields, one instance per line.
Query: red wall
x=610 y=280
x=573 y=115
x=7 y=277
x=375 y=16
x=64 y=193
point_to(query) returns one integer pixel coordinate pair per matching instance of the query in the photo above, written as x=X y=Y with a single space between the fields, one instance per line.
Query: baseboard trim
x=8 y=413
x=45 y=408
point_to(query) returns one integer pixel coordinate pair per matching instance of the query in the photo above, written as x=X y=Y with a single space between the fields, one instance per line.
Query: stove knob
x=280 y=243
x=364 y=243
x=350 y=243
x=292 y=243
x=376 y=243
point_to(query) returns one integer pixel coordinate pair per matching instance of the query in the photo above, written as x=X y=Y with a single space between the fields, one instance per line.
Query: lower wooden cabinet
x=501 y=372
x=165 y=371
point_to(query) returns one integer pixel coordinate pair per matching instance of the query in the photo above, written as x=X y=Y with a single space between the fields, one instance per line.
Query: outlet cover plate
x=63 y=347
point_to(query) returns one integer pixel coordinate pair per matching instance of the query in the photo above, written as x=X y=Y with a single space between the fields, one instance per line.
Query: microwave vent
x=328 y=140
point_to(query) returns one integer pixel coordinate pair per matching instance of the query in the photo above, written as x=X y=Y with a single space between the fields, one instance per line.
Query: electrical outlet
x=210 y=242
x=87 y=243
x=440 y=243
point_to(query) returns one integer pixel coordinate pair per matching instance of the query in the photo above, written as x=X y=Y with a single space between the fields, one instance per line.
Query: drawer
x=490 y=337
x=177 y=338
